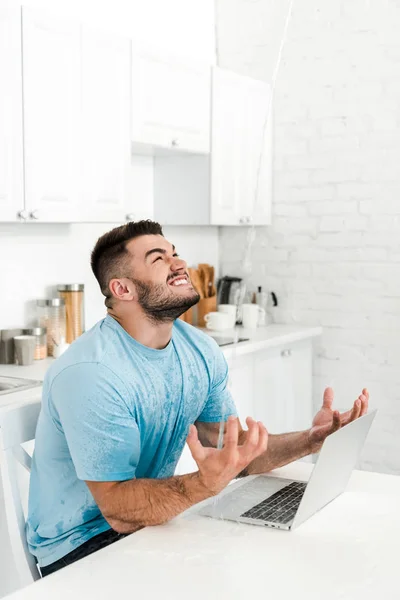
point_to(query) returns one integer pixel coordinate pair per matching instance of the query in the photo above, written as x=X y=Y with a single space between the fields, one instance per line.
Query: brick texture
x=332 y=253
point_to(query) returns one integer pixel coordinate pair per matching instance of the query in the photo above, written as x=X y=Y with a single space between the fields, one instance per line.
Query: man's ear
x=123 y=289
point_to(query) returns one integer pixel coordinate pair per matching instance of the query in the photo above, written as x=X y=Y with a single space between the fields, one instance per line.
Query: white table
x=350 y=550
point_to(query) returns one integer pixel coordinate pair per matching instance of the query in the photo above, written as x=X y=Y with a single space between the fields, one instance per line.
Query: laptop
x=286 y=503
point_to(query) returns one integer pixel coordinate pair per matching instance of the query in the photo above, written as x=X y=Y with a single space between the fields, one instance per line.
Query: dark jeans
x=95 y=543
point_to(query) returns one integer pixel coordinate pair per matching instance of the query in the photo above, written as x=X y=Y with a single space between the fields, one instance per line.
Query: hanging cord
x=251 y=234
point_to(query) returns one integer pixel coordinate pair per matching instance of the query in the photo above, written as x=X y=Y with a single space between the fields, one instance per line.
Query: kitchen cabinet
x=283 y=387
x=11 y=151
x=273 y=386
x=241 y=150
x=233 y=186
x=170 y=103
x=241 y=385
x=71 y=159
x=106 y=154
x=52 y=116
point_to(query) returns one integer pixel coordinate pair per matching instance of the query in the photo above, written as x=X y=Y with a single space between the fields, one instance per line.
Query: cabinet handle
x=23 y=214
x=249 y=220
x=175 y=142
x=242 y=220
x=130 y=217
x=34 y=215
x=286 y=353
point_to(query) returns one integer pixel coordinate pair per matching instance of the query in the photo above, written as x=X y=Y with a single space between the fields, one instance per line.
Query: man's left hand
x=326 y=421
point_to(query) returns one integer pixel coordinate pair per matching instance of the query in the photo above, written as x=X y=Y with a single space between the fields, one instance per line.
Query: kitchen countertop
x=347 y=550
x=259 y=339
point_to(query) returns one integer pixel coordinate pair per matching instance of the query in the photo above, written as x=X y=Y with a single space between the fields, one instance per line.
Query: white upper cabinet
x=52 y=110
x=106 y=109
x=170 y=103
x=11 y=152
x=232 y=186
x=241 y=150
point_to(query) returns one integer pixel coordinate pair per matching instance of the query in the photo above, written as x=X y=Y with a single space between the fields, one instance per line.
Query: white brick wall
x=332 y=253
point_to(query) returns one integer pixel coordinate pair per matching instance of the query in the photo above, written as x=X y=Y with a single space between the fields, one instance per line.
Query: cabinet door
x=283 y=387
x=106 y=89
x=240 y=150
x=241 y=380
x=11 y=156
x=170 y=102
x=52 y=106
x=241 y=385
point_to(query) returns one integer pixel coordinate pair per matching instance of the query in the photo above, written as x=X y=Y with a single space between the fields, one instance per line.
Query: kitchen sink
x=16 y=384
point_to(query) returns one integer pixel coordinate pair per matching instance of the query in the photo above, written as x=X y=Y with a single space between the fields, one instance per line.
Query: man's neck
x=143 y=330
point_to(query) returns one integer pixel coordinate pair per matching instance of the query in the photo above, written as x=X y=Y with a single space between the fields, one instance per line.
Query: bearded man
x=120 y=403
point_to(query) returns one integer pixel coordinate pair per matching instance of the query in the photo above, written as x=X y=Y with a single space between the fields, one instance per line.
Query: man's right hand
x=218 y=467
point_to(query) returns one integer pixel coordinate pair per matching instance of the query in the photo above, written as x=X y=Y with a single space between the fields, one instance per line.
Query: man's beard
x=158 y=305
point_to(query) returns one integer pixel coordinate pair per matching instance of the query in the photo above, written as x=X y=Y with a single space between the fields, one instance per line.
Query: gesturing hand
x=327 y=420
x=218 y=467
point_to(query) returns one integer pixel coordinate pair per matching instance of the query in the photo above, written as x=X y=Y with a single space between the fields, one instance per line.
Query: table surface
x=348 y=550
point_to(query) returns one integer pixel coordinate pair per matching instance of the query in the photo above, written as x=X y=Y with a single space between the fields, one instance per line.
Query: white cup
x=228 y=309
x=250 y=315
x=219 y=321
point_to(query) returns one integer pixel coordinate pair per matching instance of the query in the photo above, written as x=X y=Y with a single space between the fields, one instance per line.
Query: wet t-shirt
x=112 y=410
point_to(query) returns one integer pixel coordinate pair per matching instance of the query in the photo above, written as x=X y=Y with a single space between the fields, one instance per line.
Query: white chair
x=18 y=426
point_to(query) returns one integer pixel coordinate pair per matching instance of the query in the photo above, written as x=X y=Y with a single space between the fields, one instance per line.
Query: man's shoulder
x=91 y=354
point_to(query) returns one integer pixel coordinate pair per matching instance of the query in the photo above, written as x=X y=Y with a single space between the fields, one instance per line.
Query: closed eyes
x=175 y=255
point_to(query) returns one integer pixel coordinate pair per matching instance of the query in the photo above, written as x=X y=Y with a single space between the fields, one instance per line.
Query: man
x=119 y=405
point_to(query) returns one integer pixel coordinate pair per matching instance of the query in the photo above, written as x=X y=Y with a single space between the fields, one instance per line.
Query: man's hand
x=326 y=421
x=218 y=467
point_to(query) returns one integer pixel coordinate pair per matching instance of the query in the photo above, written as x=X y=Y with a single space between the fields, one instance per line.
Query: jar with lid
x=51 y=315
x=73 y=296
x=40 y=335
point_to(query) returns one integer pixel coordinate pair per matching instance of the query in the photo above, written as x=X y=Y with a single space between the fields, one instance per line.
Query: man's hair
x=110 y=257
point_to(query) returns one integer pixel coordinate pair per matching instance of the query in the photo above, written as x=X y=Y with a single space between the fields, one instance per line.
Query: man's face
x=164 y=288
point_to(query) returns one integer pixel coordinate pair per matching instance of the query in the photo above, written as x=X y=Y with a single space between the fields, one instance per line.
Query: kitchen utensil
x=25 y=349
x=213 y=291
x=219 y=321
x=196 y=281
x=207 y=276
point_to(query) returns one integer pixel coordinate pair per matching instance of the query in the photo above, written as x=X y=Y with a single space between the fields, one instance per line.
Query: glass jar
x=40 y=335
x=51 y=315
x=73 y=296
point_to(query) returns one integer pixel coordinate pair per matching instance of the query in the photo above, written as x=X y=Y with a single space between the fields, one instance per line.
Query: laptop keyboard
x=281 y=506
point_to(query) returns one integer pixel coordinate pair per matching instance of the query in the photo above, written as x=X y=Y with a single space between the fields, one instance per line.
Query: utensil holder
x=204 y=306
x=188 y=316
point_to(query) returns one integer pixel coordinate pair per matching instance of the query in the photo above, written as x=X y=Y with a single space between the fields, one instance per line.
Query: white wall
x=333 y=251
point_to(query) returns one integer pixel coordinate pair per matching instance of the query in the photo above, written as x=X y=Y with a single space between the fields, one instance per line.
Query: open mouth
x=180 y=281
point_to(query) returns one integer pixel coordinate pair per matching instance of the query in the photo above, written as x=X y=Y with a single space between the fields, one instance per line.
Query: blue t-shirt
x=113 y=410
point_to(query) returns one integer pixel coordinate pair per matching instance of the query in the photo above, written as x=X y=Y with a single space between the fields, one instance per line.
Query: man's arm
x=282 y=449
x=136 y=503
x=132 y=504
x=288 y=447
